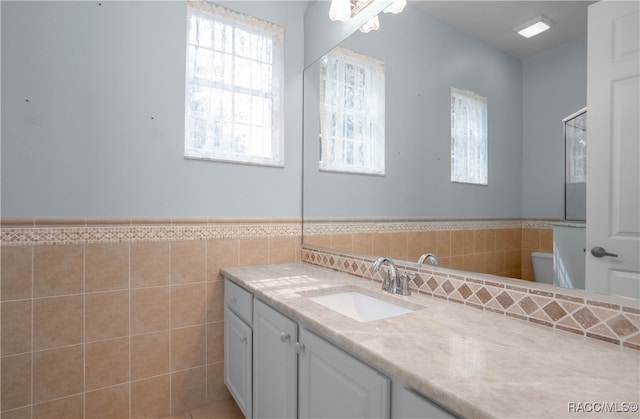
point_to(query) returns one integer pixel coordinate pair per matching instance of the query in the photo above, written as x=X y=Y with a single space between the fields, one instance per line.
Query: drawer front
x=238 y=300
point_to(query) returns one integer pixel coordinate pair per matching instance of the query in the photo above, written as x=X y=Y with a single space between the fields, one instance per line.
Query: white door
x=613 y=156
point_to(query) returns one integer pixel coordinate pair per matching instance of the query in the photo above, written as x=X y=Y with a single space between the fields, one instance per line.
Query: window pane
x=468 y=137
x=204 y=64
x=352 y=113
x=204 y=30
x=234 y=94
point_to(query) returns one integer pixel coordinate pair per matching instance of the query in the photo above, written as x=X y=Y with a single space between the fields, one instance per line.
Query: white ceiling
x=493 y=21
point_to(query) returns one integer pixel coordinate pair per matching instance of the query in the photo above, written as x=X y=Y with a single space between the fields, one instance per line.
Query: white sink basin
x=361 y=307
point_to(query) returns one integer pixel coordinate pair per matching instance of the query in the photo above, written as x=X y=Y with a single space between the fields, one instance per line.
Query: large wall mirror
x=414 y=207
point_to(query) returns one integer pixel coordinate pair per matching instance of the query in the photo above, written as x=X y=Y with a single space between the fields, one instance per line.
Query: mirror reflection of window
x=468 y=137
x=352 y=113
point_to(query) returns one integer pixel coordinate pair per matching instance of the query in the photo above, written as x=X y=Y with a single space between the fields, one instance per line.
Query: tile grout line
x=129 y=331
x=206 y=316
x=170 y=327
x=32 y=330
x=84 y=330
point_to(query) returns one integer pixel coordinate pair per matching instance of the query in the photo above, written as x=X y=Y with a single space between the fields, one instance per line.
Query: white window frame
x=232 y=113
x=469 y=139
x=352 y=133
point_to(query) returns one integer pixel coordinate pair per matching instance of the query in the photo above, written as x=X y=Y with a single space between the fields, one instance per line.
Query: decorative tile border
x=73 y=232
x=605 y=318
x=49 y=231
x=322 y=226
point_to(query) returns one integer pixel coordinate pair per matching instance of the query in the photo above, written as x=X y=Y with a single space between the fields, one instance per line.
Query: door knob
x=600 y=252
x=284 y=337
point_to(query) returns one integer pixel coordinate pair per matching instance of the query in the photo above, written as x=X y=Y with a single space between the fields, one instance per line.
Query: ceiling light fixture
x=396 y=7
x=340 y=10
x=534 y=26
x=343 y=10
x=371 y=25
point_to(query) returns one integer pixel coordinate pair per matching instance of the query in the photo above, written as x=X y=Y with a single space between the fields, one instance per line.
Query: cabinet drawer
x=238 y=300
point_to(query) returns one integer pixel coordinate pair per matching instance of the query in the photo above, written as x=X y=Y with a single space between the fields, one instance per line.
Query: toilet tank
x=542 y=263
x=569 y=242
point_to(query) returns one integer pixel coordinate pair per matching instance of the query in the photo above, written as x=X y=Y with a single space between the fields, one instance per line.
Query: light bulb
x=340 y=10
x=372 y=25
x=396 y=7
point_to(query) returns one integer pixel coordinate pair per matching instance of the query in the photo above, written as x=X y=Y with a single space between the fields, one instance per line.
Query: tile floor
x=226 y=409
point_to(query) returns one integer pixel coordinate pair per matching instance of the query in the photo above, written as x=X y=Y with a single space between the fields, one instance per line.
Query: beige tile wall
x=123 y=329
x=499 y=251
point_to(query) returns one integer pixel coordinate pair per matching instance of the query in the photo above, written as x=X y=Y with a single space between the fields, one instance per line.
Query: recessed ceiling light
x=534 y=26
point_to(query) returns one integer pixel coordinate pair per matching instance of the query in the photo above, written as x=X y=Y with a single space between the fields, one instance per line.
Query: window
x=351 y=113
x=234 y=87
x=468 y=137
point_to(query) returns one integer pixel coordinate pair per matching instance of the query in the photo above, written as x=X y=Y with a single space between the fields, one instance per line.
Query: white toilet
x=542 y=263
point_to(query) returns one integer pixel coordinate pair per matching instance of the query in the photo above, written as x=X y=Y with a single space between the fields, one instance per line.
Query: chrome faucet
x=391 y=277
x=433 y=259
x=391 y=282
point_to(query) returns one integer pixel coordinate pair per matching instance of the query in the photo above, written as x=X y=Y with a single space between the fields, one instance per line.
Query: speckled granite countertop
x=476 y=363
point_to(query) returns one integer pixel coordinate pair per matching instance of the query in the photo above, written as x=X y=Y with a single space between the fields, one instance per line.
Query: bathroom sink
x=361 y=307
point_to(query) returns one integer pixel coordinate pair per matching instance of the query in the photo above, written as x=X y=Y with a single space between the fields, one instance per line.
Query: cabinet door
x=334 y=384
x=274 y=363
x=407 y=404
x=237 y=360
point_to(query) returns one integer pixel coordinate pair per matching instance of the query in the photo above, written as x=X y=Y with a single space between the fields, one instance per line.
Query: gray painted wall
x=102 y=131
x=423 y=59
x=93 y=115
x=554 y=87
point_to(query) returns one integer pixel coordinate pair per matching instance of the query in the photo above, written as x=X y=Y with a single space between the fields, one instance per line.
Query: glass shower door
x=575 y=137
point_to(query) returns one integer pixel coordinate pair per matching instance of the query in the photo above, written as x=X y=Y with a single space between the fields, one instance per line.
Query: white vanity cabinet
x=334 y=384
x=238 y=345
x=275 y=370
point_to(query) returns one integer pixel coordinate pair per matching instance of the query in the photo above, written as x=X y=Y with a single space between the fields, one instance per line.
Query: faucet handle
x=404 y=283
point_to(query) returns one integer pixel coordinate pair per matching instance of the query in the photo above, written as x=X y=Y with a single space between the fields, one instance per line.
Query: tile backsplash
x=121 y=317
x=610 y=319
